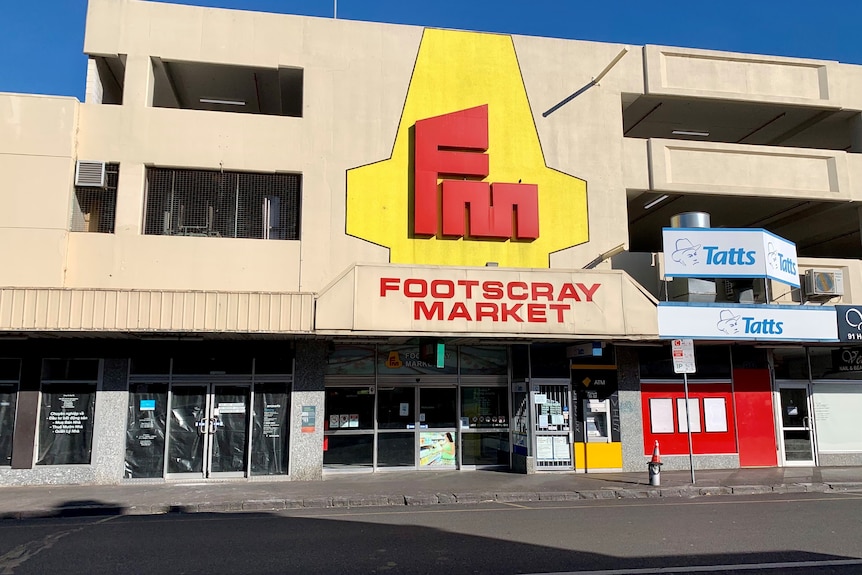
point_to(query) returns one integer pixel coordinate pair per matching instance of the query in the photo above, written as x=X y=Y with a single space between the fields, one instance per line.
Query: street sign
x=682 y=353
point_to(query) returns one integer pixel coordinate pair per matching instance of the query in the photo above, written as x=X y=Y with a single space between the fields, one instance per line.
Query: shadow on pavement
x=374 y=543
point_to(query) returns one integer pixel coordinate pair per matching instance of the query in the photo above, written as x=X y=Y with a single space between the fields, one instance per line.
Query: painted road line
x=716 y=568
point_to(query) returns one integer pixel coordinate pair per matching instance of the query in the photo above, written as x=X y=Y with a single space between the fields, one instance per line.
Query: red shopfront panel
x=755 y=418
x=663 y=408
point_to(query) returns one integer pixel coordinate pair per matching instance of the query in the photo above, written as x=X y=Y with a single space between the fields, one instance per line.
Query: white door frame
x=807 y=426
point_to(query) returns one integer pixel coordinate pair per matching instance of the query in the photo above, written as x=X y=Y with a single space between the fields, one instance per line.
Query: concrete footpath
x=401 y=488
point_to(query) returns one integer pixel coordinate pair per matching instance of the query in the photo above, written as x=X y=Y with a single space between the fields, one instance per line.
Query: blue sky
x=41 y=41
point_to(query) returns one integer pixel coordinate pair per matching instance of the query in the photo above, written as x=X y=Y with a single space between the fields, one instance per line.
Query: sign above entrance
x=486 y=300
x=746 y=322
x=729 y=253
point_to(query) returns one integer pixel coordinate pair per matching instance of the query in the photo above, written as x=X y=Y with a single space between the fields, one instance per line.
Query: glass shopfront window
x=10 y=370
x=270 y=442
x=485 y=448
x=396 y=449
x=349 y=426
x=400 y=411
x=68 y=406
x=348 y=450
x=145 y=431
x=66 y=423
x=395 y=409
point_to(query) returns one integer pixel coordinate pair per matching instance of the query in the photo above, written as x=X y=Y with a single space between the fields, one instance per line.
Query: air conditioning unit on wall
x=824 y=283
x=90 y=174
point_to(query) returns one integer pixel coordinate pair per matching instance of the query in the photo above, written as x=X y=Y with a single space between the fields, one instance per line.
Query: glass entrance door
x=796 y=426
x=437 y=427
x=208 y=430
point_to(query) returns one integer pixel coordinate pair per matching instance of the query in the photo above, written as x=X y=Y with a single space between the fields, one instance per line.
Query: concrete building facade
x=275 y=247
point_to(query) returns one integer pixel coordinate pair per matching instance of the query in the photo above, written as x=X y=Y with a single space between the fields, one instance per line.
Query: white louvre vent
x=824 y=283
x=90 y=174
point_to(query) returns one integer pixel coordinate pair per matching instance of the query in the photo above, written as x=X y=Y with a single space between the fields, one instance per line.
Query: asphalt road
x=782 y=534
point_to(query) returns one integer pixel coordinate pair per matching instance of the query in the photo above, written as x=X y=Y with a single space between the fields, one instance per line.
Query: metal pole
x=688 y=427
x=335 y=9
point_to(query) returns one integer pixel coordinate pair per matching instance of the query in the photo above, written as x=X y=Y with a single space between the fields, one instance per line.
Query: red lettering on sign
x=568 y=291
x=448 y=290
x=542 y=289
x=536 y=313
x=454 y=145
x=389 y=284
x=588 y=291
x=506 y=312
x=421 y=309
x=560 y=308
x=492 y=290
x=411 y=285
x=486 y=310
x=468 y=286
x=459 y=311
x=454 y=299
x=522 y=294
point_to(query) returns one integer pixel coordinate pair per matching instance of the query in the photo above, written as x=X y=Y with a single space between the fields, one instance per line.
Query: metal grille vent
x=90 y=174
x=213 y=203
x=95 y=209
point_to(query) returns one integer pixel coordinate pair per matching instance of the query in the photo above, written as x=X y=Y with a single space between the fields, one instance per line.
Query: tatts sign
x=391 y=298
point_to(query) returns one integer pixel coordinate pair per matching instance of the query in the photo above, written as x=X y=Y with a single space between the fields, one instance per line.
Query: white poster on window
x=837 y=407
x=694 y=413
x=715 y=414
x=661 y=415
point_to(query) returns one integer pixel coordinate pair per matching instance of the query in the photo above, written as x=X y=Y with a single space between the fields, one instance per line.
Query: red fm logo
x=453 y=145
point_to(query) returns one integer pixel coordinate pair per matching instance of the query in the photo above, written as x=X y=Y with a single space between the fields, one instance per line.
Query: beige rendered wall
x=355 y=77
x=37 y=147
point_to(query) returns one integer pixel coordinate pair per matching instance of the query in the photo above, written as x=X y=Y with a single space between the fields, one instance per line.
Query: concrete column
x=306 y=448
x=139 y=81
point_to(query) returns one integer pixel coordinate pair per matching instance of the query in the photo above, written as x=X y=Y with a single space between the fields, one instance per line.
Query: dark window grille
x=95 y=209
x=220 y=204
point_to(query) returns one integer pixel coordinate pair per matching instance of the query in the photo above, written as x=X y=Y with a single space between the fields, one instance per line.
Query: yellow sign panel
x=454 y=72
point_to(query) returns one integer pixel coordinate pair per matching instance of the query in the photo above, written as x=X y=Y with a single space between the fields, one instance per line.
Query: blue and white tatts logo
x=727 y=322
x=772 y=256
x=730 y=324
x=729 y=253
x=709 y=321
x=686 y=253
x=778 y=261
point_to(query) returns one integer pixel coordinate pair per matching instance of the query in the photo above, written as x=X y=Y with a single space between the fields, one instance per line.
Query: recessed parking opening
x=226 y=88
x=105 y=79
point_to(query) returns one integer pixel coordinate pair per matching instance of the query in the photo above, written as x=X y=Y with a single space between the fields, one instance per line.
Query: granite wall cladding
x=680 y=462
x=112 y=407
x=839 y=459
x=631 y=423
x=306 y=449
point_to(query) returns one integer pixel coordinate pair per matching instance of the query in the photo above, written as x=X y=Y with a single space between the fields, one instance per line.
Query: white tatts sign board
x=729 y=253
x=747 y=322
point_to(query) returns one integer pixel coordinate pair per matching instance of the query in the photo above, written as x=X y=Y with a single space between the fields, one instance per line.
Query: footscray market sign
x=474 y=300
x=391 y=298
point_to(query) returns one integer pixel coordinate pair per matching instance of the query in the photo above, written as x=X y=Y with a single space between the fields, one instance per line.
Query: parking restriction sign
x=682 y=353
